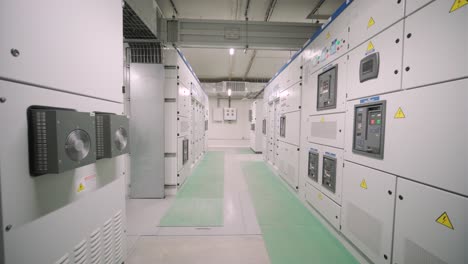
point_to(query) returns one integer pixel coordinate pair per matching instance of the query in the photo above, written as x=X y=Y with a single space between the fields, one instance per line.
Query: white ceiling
x=217 y=63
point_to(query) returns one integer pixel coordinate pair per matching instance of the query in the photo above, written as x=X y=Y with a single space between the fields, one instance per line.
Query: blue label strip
x=370 y=99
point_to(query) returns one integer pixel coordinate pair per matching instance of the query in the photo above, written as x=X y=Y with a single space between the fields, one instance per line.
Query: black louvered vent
x=133 y=26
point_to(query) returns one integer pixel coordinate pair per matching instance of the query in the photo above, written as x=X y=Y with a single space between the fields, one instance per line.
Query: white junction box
x=230 y=114
x=368 y=210
x=430 y=225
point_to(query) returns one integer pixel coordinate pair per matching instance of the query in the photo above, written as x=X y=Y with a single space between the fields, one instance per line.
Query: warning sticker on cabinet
x=81 y=187
x=399 y=114
x=445 y=221
x=371 y=22
x=364 y=184
x=86 y=183
x=457 y=4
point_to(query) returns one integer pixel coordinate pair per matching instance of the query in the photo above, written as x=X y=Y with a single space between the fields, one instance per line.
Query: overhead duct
x=142 y=20
x=238 y=89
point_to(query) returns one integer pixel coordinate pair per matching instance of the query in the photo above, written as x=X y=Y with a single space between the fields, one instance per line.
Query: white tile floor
x=238 y=241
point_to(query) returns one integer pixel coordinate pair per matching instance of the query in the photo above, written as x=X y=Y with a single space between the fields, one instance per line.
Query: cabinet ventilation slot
x=145 y=53
x=63 y=260
x=95 y=246
x=80 y=252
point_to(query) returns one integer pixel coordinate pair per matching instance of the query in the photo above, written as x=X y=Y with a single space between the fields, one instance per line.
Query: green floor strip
x=291 y=233
x=244 y=151
x=200 y=200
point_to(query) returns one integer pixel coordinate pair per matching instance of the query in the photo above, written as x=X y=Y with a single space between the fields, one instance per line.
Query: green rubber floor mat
x=244 y=151
x=291 y=233
x=200 y=201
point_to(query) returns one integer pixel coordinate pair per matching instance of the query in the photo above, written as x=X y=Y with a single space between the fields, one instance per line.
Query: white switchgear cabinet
x=390 y=67
x=81 y=69
x=256 y=126
x=185 y=105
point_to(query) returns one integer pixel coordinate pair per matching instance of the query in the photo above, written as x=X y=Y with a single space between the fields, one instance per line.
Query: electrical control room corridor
x=257 y=221
x=233 y=131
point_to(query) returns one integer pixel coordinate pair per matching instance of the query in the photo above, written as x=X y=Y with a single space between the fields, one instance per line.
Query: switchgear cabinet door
x=431 y=225
x=425 y=137
x=435 y=51
x=368 y=210
x=336 y=88
x=326 y=129
x=388 y=46
x=369 y=17
x=84 y=61
x=290 y=99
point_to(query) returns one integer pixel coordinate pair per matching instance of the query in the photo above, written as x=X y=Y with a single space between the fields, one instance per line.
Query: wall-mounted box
x=230 y=114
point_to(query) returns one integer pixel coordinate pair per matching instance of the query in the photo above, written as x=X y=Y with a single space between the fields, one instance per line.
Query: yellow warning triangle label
x=445 y=221
x=320 y=196
x=458 y=4
x=364 y=184
x=328 y=35
x=322 y=119
x=399 y=113
x=81 y=188
x=370 y=46
x=371 y=22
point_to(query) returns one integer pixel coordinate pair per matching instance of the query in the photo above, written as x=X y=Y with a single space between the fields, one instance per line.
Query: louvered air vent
x=118 y=233
x=63 y=260
x=95 y=247
x=236 y=86
x=80 y=253
x=107 y=241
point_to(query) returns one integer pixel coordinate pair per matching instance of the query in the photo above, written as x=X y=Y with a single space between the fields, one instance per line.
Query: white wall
x=230 y=132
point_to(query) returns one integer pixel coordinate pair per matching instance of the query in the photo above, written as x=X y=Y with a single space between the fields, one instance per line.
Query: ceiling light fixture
x=231 y=51
x=229 y=92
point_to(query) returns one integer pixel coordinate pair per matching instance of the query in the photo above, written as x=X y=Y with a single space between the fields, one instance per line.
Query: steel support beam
x=233 y=34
